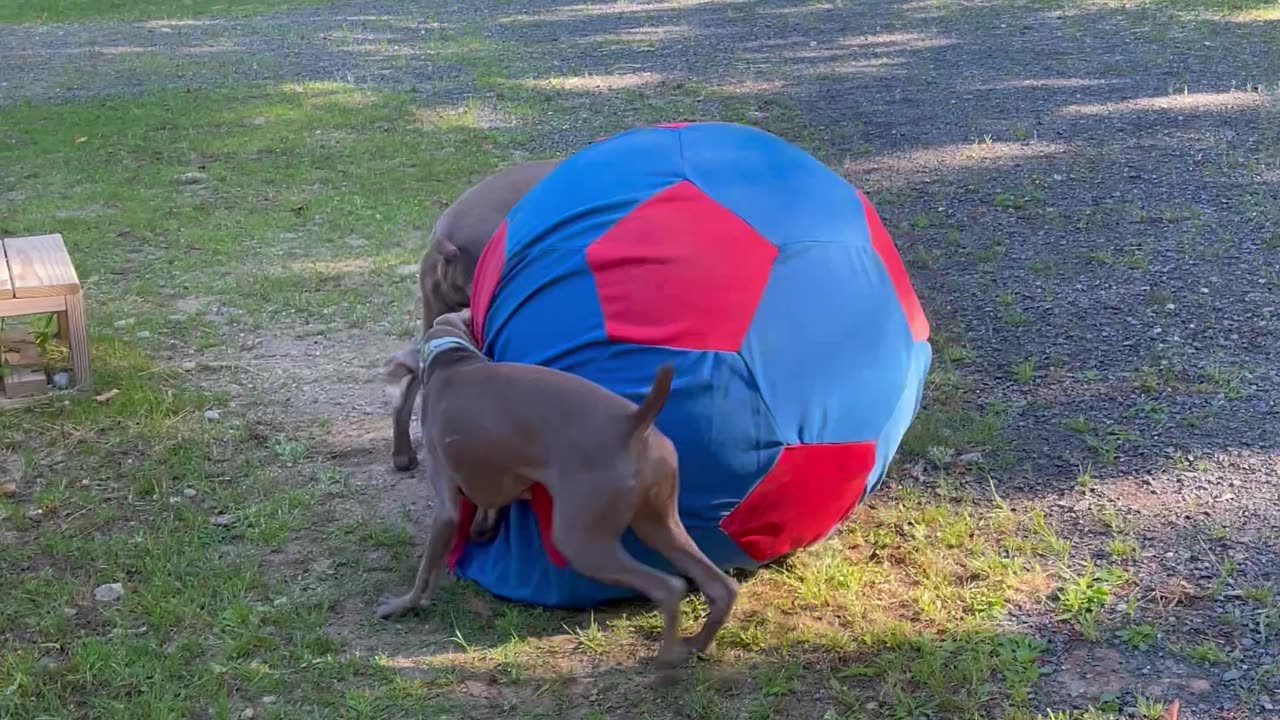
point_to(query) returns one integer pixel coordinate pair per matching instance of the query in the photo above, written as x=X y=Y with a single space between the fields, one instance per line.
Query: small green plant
x=1025 y=371
x=1205 y=651
x=1105 y=259
x=1084 y=596
x=1079 y=424
x=1138 y=637
x=1149 y=709
x=1015 y=318
x=53 y=352
x=957 y=354
x=1084 y=479
x=1122 y=548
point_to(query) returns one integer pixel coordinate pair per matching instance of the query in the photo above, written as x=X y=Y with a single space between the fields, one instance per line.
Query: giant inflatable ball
x=800 y=347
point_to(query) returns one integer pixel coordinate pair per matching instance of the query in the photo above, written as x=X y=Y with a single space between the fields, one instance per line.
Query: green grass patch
x=63 y=11
x=125 y=492
x=289 y=204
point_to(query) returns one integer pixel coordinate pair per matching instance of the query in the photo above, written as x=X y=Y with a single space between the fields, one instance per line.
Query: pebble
x=212 y=415
x=35 y=516
x=221 y=520
x=189 y=492
x=123 y=323
x=269 y=700
x=191 y=178
x=177 y=318
x=144 y=334
x=8 y=489
x=1231 y=675
x=248 y=714
x=188 y=366
x=70 y=612
x=111 y=592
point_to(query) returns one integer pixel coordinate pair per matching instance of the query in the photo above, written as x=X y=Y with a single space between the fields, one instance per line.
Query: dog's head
x=402 y=367
x=444 y=279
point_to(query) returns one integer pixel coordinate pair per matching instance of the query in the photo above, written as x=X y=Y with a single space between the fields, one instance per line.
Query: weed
x=1079 y=424
x=1138 y=637
x=1205 y=651
x=1122 y=548
x=1025 y=371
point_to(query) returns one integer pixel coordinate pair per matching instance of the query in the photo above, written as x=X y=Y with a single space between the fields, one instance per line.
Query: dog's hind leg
x=589 y=536
x=657 y=523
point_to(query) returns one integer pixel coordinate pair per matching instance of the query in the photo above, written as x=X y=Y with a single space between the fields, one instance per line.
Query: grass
x=904 y=606
x=64 y=11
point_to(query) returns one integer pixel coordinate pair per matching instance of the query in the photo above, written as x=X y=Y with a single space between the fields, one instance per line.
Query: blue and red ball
x=770 y=283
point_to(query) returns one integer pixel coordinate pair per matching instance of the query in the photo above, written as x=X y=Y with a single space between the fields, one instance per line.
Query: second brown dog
x=491 y=430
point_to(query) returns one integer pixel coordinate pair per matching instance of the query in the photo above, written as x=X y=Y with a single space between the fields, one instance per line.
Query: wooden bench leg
x=71 y=327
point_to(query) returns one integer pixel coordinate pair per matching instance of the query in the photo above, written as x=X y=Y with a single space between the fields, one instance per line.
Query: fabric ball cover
x=800 y=347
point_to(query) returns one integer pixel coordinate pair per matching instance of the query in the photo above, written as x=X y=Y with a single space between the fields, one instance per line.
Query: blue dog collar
x=432 y=348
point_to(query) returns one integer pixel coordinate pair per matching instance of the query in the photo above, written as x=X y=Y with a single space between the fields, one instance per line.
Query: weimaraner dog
x=495 y=429
x=449 y=263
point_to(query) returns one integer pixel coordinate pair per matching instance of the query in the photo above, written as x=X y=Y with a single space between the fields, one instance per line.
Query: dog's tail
x=644 y=415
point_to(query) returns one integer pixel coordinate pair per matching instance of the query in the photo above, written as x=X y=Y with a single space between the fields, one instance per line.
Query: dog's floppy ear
x=448 y=250
x=458 y=320
x=399 y=371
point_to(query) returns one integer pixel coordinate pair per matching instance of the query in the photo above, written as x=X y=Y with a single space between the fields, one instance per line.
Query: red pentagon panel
x=888 y=252
x=808 y=491
x=680 y=270
x=484 y=282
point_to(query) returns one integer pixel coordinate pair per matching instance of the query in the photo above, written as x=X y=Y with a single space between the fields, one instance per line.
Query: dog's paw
x=390 y=606
x=672 y=656
x=705 y=648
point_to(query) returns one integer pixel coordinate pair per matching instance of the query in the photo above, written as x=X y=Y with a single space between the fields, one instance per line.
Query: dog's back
x=544 y=416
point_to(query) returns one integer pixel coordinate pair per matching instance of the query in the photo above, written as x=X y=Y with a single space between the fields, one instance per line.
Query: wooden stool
x=39 y=278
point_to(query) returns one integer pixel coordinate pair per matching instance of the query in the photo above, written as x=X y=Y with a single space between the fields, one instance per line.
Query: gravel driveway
x=1088 y=197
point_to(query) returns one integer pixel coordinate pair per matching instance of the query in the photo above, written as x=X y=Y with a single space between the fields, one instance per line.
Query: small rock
x=143 y=334
x=1232 y=675
x=248 y=714
x=35 y=516
x=111 y=592
x=8 y=489
x=123 y=323
x=191 y=178
x=221 y=520
x=70 y=612
x=212 y=415
x=269 y=700
x=189 y=492
x=62 y=380
x=177 y=318
x=188 y=366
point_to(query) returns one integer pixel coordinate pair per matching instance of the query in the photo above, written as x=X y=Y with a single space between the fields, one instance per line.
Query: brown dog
x=492 y=430
x=449 y=264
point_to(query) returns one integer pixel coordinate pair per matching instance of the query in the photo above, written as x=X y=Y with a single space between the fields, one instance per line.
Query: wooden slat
x=6 y=284
x=40 y=267
x=71 y=324
x=32 y=306
x=25 y=382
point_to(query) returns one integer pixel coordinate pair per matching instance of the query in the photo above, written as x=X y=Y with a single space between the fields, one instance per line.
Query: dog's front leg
x=444 y=526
